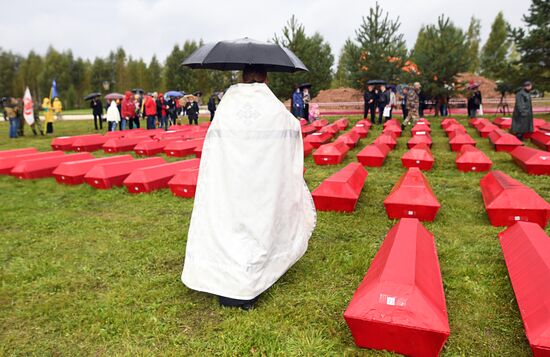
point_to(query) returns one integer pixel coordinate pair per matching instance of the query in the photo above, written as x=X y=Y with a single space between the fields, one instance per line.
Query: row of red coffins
x=334 y=153
x=400 y=304
x=526 y=250
x=33 y=164
x=532 y=161
x=508 y=201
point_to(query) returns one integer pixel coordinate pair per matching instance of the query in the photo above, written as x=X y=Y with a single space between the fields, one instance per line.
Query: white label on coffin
x=317 y=134
x=544 y=157
x=410 y=213
x=360 y=125
x=420 y=133
x=390 y=300
x=418 y=161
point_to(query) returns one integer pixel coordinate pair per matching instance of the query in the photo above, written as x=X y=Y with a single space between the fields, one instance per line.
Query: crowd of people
x=157 y=109
x=14 y=109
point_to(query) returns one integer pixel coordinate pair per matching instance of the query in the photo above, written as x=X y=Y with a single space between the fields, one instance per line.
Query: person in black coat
x=212 y=106
x=97 y=111
x=370 y=102
x=382 y=102
x=421 y=103
x=474 y=102
x=404 y=102
x=192 y=110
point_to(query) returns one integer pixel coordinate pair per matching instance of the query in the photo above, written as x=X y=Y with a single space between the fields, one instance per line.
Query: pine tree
x=314 y=52
x=473 y=40
x=494 y=53
x=342 y=77
x=379 y=51
x=440 y=52
x=154 y=73
x=533 y=45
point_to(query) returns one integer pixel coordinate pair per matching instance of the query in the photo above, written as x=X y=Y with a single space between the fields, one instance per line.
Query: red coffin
x=104 y=176
x=419 y=156
x=392 y=122
x=412 y=197
x=361 y=129
x=351 y=138
x=423 y=121
x=421 y=129
x=318 y=139
x=15 y=152
x=332 y=129
x=198 y=150
x=459 y=140
x=526 y=250
x=116 y=134
x=508 y=201
x=44 y=167
x=89 y=143
x=471 y=158
x=73 y=172
x=387 y=139
x=308 y=129
x=152 y=178
x=541 y=139
x=303 y=122
x=330 y=154
x=152 y=146
x=318 y=124
x=532 y=161
x=308 y=149
x=502 y=141
x=455 y=128
x=393 y=129
x=400 y=305
x=122 y=144
x=7 y=163
x=195 y=135
x=446 y=122
x=143 y=133
x=342 y=123
x=475 y=122
x=341 y=191
x=373 y=155
x=544 y=127
x=184 y=183
x=65 y=143
x=365 y=122
x=171 y=134
x=419 y=139
x=486 y=129
x=503 y=123
x=182 y=148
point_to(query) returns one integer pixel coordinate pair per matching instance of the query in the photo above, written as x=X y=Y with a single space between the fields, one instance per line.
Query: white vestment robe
x=253 y=213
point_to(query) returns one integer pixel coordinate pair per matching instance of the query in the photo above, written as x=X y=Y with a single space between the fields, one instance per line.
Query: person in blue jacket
x=297 y=103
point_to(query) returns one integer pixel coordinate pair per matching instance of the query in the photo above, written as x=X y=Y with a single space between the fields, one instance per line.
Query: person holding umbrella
x=253 y=213
x=474 y=99
x=370 y=102
x=97 y=110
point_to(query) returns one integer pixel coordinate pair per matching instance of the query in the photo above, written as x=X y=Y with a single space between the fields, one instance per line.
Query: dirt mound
x=487 y=86
x=338 y=95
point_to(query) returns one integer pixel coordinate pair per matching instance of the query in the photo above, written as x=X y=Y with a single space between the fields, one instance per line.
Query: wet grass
x=90 y=272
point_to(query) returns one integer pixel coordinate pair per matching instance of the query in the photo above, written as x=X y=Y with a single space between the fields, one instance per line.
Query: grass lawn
x=90 y=272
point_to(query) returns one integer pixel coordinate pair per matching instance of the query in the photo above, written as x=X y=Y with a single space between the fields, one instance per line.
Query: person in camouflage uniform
x=412 y=105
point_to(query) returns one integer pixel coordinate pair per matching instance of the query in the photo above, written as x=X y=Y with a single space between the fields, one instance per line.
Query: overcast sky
x=144 y=28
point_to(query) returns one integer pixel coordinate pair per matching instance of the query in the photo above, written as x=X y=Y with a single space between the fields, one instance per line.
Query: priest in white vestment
x=253 y=213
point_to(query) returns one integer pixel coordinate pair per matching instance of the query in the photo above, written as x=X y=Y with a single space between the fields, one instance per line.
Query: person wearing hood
x=57 y=108
x=150 y=110
x=522 y=118
x=113 y=116
x=48 y=115
x=253 y=214
x=97 y=111
x=128 y=109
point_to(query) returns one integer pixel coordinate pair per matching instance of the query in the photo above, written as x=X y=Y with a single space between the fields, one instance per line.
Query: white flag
x=28 y=111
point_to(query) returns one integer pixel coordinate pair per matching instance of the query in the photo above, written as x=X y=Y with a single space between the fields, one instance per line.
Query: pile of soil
x=487 y=86
x=338 y=95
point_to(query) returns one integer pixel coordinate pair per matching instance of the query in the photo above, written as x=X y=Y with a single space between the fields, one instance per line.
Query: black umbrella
x=236 y=54
x=376 y=81
x=138 y=90
x=305 y=85
x=92 y=96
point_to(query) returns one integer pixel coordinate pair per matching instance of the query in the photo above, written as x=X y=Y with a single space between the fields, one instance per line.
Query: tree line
x=377 y=51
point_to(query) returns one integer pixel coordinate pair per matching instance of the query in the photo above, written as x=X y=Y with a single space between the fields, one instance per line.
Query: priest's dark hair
x=254 y=73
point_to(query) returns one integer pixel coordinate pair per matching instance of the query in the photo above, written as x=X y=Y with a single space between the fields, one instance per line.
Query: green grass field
x=90 y=272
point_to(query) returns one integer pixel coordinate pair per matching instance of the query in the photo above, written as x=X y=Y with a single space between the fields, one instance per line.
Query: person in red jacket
x=161 y=111
x=150 y=112
x=128 y=110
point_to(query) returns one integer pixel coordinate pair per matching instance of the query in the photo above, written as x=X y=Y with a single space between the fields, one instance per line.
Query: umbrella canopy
x=114 y=96
x=138 y=90
x=174 y=93
x=236 y=54
x=305 y=85
x=92 y=96
x=376 y=82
